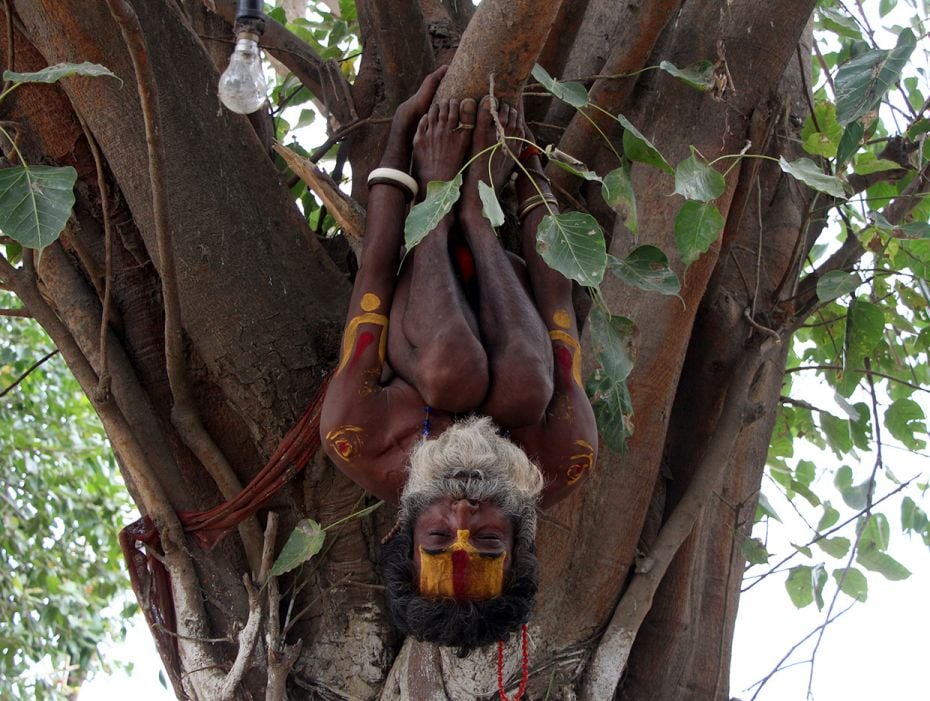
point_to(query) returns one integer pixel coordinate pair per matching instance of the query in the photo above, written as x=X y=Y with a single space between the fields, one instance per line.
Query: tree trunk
x=262 y=306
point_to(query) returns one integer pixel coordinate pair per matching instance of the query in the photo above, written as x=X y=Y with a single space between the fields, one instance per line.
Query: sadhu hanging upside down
x=458 y=393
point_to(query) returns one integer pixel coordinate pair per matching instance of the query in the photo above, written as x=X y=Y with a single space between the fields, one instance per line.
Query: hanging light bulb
x=242 y=86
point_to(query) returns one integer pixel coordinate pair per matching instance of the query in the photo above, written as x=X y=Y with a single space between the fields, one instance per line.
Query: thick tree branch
x=612 y=652
x=581 y=137
x=184 y=414
x=490 y=45
x=396 y=32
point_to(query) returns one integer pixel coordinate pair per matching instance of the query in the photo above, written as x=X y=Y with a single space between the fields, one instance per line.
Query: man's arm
x=367 y=427
x=565 y=442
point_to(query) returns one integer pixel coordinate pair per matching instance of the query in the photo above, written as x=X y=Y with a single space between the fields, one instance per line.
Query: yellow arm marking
x=351 y=333
x=558 y=335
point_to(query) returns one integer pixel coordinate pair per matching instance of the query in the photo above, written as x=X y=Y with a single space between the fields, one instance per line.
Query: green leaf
x=35 y=203
x=865 y=326
x=821 y=133
x=572 y=93
x=426 y=215
x=613 y=410
x=913 y=230
x=836 y=283
x=305 y=541
x=834 y=547
x=52 y=74
x=868 y=163
x=905 y=420
x=646 y=268
x=617 y=191
x=612 y=339
x=862 y=82
x=849 y=143
x=765 y=508
x=837 y=432
x=696 y=180
x=809 y=173
x=852 y=582
x=805 y=472
x=913 y=518
x=874 y=532
x=830 y=517
x=754 y=551
x=697 y=226
x=800 y=586
x=818 y=581
x=638 y=148
x=572 y=165
x=841 y=24
x=877 y=561
x=490 y=207
x=573 y=244
x=699 y=75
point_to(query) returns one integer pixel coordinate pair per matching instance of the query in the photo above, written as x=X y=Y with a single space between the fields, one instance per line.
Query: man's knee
x=452 y=374
x=522 y=389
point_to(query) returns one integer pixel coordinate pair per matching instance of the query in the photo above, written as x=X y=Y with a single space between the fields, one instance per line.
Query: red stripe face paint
x=364 y=340
x=460 y=562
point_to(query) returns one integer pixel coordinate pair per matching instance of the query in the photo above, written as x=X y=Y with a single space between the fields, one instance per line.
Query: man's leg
x=434 y=343
x=515 y=338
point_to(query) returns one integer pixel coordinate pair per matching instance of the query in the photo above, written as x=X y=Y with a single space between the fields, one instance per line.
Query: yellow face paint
x=370 y=302
x=562 y=319
x=580 y=462
x=461 y=572
x=346 y=441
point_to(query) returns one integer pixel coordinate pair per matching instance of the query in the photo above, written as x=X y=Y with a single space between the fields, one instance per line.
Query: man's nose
x=463 y=510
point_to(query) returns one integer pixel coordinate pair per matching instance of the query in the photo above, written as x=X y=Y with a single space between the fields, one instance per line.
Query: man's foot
x=442 y=140
x=491 y=169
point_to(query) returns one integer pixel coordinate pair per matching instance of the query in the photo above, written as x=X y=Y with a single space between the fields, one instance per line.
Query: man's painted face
x=462 y=549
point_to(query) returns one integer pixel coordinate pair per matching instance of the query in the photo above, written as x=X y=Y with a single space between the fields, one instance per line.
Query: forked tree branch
x=612 y=653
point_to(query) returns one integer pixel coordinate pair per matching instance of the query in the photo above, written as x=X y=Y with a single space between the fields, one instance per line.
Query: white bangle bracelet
x=392 y=176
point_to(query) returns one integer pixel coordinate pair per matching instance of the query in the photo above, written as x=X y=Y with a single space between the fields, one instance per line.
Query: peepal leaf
x=305 y=541
x=697 y=226
x=490 y=207
x=425 y=216
x=35 y=203
x=52 y=74
x=638 y=148
x=862 y=82
x=573 y=244
x=808 y=172
x=646 y=268
x=849 y=143
x=875 y=560
x=572 y=93
x=852 y=582
x=699 y=75
x=617 y=191
x=804 y=583
x=905 y=420
x=612 y=339
x=865 y=324
x=613 y=410
x=697 y=180
x=836 y=283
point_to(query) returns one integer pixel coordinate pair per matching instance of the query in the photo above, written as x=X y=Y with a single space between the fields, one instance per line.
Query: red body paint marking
x=344 y=448
x=365 y=340
x=460 y=574
x=563 y=357
x=465 y=262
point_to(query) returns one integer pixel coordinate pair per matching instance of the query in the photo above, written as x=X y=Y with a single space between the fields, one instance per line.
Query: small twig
x=28 y=371
x=10 y=46
x=892 y=378
x=759 y=327
x=18 y=312
x=800 y=403
x=162 y=629
x=248 y=636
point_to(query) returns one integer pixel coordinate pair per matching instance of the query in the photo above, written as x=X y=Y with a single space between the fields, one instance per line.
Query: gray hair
x=471 y=460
